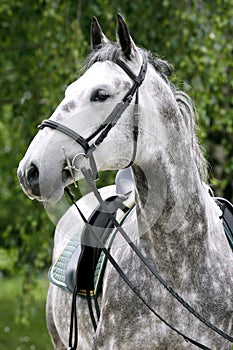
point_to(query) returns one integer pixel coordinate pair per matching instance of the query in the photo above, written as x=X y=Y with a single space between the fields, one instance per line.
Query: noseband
x=109 y=122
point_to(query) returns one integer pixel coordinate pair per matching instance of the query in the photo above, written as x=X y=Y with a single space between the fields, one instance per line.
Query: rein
x=90 y=174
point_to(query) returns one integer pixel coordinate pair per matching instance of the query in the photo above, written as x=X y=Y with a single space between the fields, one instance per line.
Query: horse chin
x=51 y=197
x=30 y=195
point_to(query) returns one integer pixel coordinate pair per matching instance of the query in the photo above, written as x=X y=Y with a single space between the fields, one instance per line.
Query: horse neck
x=171 y=218
x=171 y=199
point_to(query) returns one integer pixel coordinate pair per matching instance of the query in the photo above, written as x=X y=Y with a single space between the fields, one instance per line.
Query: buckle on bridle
x=80 y=161
x=85 y=161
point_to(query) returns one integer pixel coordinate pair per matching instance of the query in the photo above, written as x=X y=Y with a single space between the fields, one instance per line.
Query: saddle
x=82 y=264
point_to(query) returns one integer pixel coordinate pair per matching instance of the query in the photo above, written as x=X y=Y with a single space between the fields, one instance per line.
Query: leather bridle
x=103 y=130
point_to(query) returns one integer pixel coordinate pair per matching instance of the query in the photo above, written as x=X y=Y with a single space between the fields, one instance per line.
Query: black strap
x=73 y=336
x=73 y=343
x=65 y=130
x=138 y=79
x=89 y=303
x=76 y=137
x=135 y=129
x=111 y=121
x=114 y=116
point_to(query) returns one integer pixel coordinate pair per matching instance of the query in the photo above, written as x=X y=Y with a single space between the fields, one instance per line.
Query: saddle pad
x=57 y=271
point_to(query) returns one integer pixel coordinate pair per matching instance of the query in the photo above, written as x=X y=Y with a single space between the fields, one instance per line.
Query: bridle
x=103 y=130
x=90 y=174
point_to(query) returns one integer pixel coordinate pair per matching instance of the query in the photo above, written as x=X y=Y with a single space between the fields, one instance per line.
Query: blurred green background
x=43 y=45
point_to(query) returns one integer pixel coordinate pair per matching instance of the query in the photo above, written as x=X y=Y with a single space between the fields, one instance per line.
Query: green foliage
x=15 y=334
x=43 y=44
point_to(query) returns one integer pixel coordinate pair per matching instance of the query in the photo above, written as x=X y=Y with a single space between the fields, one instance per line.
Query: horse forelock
x=112 y=52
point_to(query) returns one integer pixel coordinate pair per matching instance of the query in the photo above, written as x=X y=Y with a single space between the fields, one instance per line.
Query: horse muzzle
x=29 y=181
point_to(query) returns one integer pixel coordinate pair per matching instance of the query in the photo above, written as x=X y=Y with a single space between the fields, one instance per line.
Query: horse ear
x=124 y=39
x=97 y=36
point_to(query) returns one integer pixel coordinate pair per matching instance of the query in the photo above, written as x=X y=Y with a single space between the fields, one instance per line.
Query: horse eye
x=99 y=96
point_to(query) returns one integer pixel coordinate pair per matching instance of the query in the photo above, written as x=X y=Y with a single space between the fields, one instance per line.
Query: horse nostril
x=32 y=172
x=32 y=178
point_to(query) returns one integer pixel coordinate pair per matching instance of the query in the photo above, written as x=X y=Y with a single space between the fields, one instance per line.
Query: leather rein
x=90 y=174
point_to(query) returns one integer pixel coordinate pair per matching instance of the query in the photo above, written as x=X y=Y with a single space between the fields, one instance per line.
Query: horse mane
x=112 y=52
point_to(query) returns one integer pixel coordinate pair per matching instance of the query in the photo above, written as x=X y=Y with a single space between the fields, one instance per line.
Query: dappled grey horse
x=175 y=223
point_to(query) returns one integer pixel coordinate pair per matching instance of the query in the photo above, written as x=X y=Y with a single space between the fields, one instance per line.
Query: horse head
x=88 y=101
x=99 y=109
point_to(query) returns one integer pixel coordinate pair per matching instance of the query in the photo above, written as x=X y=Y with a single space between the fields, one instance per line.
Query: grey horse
x=175 y=224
